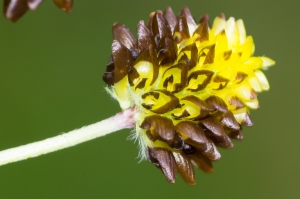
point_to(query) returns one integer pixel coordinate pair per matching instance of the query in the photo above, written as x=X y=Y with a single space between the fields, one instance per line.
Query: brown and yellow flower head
x=15 y=9
x=192 y=87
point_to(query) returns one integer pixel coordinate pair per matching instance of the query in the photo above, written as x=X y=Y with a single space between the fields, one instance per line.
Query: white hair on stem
x=122 y=120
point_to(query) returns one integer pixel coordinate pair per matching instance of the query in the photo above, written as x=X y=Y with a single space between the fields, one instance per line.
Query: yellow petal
x=242 y=30
x=221 y=46
x=255 y=84
x=267 y=62
x=254 y=62
x=247 y=49
x=123 y=93
x=240 y=114
x=252 y=104
x=218 y=25
x=245 y=92
x=231 y=33
x=262 y=80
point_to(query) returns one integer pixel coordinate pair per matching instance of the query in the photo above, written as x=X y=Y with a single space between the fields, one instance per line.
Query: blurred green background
x=51 y=66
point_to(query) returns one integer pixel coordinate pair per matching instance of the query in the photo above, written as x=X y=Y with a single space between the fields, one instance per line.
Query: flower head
x=15 y=9
x=192 y=87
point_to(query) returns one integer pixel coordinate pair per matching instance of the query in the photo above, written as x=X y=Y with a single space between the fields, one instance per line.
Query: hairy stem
x=120 y=121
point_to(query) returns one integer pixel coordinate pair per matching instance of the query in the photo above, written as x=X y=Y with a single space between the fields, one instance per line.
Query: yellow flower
x=192 y=87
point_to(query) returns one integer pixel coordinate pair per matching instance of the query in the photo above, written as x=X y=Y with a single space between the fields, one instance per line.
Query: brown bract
x=15 y=9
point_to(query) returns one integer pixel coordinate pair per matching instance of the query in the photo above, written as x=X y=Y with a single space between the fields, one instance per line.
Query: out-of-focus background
x=51 y=66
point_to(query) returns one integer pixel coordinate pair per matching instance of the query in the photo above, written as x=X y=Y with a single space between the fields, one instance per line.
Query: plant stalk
x=122 y=120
